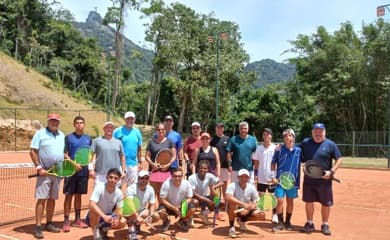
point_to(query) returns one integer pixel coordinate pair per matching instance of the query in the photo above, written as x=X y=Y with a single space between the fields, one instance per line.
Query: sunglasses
x=161 y=129
x=177 y=176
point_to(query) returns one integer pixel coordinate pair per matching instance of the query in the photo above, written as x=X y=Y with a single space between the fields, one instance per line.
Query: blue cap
x=318 y=125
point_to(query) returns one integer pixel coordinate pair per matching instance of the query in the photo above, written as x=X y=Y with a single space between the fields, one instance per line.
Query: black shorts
x=76 y=185
x=318 y=192
x=266 y=188
x=170 y=211
x=245 y=217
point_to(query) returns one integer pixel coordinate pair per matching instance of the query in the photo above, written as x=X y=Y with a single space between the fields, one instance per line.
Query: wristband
x=90 y=166
x=39 y=167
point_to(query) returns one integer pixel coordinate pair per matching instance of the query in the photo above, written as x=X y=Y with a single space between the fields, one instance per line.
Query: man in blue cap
x=323 y=150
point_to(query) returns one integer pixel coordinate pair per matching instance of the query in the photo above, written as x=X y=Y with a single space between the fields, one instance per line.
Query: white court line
x=365 y=208
x=8 y=237
x=18 y=206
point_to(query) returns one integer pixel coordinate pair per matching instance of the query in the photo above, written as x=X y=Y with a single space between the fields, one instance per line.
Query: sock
x=288 y=217
x=66 y=218
x=325 y=223
x=274 y=211
x=77 y=212
x=280 y=217
x=310 y=221
x=231 y=223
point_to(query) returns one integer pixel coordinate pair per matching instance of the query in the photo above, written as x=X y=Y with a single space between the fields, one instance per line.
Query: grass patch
x=360 y=162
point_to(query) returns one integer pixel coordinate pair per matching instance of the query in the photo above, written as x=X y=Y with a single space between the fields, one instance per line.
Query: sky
x=266 y=26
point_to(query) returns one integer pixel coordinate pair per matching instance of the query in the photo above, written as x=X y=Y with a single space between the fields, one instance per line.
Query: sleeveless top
x=210 y=157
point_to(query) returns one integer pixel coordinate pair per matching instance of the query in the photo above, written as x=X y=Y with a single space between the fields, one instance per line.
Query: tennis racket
x=148 y=220
x=314 y=169
x=83 y=155
x=64 y=168
x=163 y=158
x=266 y=201
x=286 y=180
x=217 y=201
x=131 y=205
x=184 y=208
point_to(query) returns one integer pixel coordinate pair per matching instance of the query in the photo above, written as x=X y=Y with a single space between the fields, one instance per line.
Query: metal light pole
x=380 y=12
x=217 y=39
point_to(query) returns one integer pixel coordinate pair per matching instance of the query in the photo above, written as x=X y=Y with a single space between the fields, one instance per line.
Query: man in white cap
x=190 y=145
x=131 y=138
x=241 y=194
x=146 y=194
x=46 y=149
x=107 y=154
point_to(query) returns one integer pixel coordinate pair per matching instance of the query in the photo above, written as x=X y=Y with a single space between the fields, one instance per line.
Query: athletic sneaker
x=165 y=225
x=232 y=232
x=38 y=233
x=309 y=227
x=204 y=218
x=80 y=224
x=278 y=227
x=133 y=235
x=288 y=226
x=66 y=227
x=275 y=218
x=325 y=229
x=242 y=224
x=51 y=228
x=183 y=225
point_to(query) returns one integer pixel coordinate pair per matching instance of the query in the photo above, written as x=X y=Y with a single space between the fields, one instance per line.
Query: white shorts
x=225 y=175
x=47 y=187
x=234 y=177
x=132 y=174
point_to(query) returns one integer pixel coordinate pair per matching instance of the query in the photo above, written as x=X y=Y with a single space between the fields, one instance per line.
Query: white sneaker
x=232 y=232
x=242 y=225
x=275 y=218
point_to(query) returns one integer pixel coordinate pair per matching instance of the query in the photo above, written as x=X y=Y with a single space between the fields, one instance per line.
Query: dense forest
x=341 y=78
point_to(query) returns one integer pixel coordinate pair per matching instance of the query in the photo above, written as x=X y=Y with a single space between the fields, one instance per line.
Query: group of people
x=238 y=167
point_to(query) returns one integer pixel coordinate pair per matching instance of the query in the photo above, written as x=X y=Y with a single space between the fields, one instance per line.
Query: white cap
x=242 y=172
x=108 y=123
x=129 y=114
x=143 y=173
x=195 y=124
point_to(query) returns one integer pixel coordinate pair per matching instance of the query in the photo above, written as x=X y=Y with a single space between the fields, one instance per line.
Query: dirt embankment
x=18 y=138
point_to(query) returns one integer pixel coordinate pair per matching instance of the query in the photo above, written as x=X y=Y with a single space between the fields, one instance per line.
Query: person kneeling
x=105 y=198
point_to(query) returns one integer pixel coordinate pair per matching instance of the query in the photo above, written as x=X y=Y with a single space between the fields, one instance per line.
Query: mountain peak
x=94 y=18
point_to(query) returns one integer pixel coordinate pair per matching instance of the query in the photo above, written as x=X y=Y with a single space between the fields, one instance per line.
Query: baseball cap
x=143 y=173
x=195 y=124
x=53 y=116
x=220 y=125
x=268 y=130
x=168 y=117
x=129 y=114
x=242 y=172
x=318 y=125
x=108 y=123
x=205 y=134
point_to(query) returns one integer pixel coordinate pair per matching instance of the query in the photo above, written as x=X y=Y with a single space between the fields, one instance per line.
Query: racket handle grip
x=33 y=175
x=336 y=179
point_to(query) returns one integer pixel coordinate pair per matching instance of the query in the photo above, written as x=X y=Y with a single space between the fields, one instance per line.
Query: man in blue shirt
x=323 y=150
x=176 y=138
x=77 y=184
x=47 y=149
x=131 y=139
x=240 y=149
x=286 y=159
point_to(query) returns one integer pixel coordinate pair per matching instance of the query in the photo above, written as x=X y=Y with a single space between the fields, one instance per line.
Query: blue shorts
x=281 y=192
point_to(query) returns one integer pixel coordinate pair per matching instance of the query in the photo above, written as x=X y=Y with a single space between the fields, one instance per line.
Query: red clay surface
x=361 y=211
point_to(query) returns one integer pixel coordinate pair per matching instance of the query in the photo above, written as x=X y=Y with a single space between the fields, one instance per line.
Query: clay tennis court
x=361 y=211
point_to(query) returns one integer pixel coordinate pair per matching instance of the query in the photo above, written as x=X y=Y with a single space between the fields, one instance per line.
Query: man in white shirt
x=262 y=159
